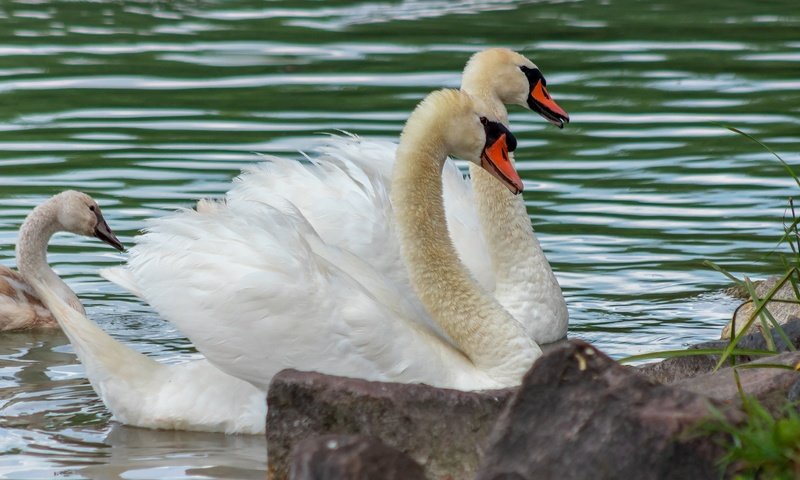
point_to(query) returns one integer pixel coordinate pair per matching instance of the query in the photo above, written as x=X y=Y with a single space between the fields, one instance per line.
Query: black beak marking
x=103 y=232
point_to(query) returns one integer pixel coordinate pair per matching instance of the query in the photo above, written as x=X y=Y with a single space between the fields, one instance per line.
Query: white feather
x=142 y=392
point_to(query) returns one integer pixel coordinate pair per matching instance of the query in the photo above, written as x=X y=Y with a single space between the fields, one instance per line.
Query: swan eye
x=92 y=208
x=484 y=121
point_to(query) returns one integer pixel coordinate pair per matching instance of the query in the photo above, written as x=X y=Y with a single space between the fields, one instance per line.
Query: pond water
x=150 y=105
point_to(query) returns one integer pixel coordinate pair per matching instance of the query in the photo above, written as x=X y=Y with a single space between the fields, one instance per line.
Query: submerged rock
x=579 y=414
x=769 y=385
x=781 y=310
x=441 y=429
x=675 y=369
x=335 y=457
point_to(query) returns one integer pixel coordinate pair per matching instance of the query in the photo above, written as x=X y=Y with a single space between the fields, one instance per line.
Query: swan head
x=78 y=213
x=463 y=126
x=514 y=80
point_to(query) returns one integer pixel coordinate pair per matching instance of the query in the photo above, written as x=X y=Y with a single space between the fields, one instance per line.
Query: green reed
x=763 y=445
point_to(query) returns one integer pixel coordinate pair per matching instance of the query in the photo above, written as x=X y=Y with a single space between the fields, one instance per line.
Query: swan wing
x=343 y=195
x=343 y=192
x=376 y=159
x=123 y=278
x=255 y=297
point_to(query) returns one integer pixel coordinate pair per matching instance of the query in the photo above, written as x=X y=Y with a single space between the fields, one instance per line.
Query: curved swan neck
x=513 y=247
x=34 y=235
x=107 y=362
x=486 y=333
x=520 y=266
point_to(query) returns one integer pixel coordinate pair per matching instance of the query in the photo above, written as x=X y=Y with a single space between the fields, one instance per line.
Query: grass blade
x=693 y=352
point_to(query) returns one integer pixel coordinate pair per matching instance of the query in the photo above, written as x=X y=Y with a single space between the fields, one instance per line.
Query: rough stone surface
x=793 y=395
x=769 y=385
x=441 y=429
x=578 y=414
x=674 y=369
x=335 y=457
x=782 y=312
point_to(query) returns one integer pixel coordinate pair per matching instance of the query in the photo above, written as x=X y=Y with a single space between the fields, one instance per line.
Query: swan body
x=142 y=392
x=70 y=211
x=138 y=390
x=262 y=291
x=357 y=173
x=483 y=216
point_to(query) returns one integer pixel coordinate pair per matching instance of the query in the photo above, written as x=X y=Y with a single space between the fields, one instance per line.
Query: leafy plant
x=763 y=447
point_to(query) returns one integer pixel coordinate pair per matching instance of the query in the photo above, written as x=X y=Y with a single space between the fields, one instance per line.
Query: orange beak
x=541 y=102
x=495 y=160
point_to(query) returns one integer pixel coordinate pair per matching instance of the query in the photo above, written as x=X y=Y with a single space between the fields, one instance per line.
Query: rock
x=793 y=395
x=768 y=385
x=579 y=414
x=756 y=341
x=675 y=369
x=444 y=430
x=334 y=457
x=782 y=312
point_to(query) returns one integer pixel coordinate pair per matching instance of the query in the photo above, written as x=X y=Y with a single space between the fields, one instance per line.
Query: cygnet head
x=467 y=130
x=78 y=213
x=515 y=80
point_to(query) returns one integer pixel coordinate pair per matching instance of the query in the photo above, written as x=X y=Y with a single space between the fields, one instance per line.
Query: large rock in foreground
x=351 y=457
x=579 y=414
x=441 y=429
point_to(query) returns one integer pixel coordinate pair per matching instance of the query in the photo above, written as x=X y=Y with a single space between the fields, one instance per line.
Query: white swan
x=524 y=283
x=69 y=211
x=498 y=75
x=516 y=269
x=138 y=390
x=261 y=292
x=197 y=396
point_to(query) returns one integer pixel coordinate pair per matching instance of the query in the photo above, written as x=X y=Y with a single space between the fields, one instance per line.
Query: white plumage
x=262 y=282
x=300 y=267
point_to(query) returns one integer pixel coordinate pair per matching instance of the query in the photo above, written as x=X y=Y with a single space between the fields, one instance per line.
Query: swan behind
x=68 y=211
x=524 y=283
x=138 y=390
